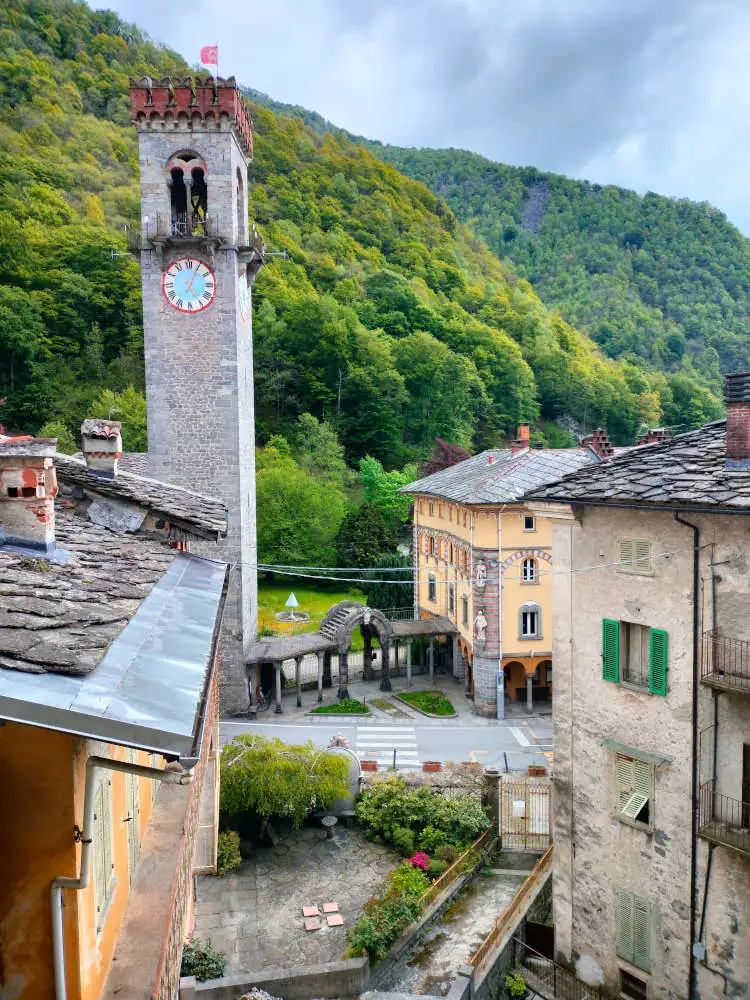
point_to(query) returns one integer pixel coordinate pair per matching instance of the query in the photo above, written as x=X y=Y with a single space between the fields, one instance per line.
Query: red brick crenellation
x=190 y=98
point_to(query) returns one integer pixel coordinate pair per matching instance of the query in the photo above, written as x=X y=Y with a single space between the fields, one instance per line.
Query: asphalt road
x=514 y=743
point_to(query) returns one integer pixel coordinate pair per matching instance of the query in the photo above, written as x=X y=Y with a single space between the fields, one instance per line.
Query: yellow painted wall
x=41 y=794
x=515 y=592
x=481 y=531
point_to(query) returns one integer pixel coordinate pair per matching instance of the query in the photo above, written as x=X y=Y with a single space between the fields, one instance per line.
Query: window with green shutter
x=657 y=677
x=633 y=929
x=611 y=650
x=634 y=780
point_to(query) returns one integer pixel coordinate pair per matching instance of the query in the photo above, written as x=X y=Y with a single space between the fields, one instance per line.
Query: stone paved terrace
x=254 y=915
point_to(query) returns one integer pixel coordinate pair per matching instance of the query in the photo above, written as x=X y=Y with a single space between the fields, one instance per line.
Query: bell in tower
x=197 y=267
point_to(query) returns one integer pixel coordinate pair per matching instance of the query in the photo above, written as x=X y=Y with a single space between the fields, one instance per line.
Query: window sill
x=530 y=583
x=634 y=572
x=529 y=638
x=637 y=688
x=643 y=827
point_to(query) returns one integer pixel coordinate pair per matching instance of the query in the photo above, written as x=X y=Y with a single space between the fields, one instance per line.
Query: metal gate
x=525 y=814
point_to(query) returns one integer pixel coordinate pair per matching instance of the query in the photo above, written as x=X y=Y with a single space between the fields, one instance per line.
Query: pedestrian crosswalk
x=376 y=742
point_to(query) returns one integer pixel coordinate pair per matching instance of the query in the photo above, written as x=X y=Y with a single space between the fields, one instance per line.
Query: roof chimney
x=28 y=486
x=490 y=459
x=737 y=398
x=656 y=435
x=599 y=443
x=523 y=438
x=101 y=444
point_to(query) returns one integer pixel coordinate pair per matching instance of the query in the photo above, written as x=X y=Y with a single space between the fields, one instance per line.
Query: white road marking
x=520 y=735
x=376 y=742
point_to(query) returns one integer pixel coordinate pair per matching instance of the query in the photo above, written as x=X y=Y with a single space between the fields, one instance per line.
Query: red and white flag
x=210 y=55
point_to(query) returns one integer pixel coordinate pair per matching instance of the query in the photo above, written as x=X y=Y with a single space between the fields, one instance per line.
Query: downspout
x=500 y=708
x=86 y=837
x=694 y=755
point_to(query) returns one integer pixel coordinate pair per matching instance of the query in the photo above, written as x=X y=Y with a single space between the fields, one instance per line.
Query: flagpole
x=217 y=64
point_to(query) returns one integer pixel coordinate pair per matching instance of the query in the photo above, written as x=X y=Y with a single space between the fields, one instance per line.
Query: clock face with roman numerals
x=189 y=285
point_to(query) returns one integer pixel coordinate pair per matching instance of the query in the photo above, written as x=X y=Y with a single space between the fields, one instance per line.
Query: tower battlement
x=190 y=103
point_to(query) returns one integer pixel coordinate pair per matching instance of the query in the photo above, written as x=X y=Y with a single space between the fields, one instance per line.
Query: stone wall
x=178 y=925
x=595 y=851
x=334 y=979
x=199 y=378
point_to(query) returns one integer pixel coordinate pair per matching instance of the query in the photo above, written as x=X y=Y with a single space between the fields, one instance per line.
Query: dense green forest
x=660 y=281
x=390 y=319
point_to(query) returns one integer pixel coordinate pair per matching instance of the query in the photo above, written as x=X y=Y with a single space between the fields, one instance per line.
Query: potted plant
x=515 y=986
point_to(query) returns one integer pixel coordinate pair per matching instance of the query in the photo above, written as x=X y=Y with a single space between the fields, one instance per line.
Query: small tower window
x=178 y=198
x=242 y=213
x=529 y=522
x=530 y=622
x=198 y=202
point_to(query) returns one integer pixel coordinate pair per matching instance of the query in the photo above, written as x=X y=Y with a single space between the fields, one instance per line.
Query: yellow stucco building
x=484 y=560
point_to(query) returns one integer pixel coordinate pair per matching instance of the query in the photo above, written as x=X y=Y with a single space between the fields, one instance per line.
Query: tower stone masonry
x=198 y=262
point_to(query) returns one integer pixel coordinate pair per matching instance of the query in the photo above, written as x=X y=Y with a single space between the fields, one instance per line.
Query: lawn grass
x=272 y=597
x=349 y=706
x=433 y=702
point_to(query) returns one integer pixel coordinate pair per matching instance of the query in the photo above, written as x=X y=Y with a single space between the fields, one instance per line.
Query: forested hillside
x=652 y=278
x=390 y=319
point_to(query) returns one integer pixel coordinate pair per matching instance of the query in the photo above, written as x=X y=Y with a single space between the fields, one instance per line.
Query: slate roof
x=62 y=618
x=687 y=470
x=116 y=643
x=205 y=515
x=508 y=479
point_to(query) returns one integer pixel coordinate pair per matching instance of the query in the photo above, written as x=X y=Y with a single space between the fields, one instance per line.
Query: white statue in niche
x=481 y=574
x=480 y=626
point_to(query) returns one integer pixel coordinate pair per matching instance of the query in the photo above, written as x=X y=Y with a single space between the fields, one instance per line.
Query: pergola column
x=298 y=679
x=321 y=659
x=343 y=691
x=458 y=660
x=277 y=703
x=252 y=687
x=395 y=657
x=366 y=653
x=431 y=660
x=385 y=683
x=327 y=679
x=408 y=664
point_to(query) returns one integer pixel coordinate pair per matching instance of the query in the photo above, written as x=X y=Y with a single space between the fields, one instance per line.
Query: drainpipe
x=694 y=756
x=86 y=837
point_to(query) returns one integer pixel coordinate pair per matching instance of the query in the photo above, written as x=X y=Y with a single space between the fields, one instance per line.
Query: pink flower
x=420 y=860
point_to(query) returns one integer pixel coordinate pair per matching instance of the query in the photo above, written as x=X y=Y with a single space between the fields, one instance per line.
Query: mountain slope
x=656 y=278
x=390 y=317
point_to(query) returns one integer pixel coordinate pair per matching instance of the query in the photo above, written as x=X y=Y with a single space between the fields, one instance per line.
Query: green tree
x=319 y=451
x=129 y=407
x=364 y=536
x=66 y=443
x=398 y=590
x=263 y=777
x=381 y=488
x=298 y=515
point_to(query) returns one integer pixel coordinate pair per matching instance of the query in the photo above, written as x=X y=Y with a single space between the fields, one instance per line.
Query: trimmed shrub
x=201 y=961
x=228 y=856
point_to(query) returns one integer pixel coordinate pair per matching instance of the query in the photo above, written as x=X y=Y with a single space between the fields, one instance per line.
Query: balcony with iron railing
x=725 y=662
x=723 y=820
x=182 y=227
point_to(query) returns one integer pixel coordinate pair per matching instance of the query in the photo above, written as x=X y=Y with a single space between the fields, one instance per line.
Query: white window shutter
x=624 y=908
x=642 y=554
x=641 y=933
x=624 y=779
x=627 y=553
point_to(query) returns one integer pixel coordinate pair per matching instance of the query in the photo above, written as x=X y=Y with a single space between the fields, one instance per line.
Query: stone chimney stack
x=737 y=399
x=655 y=435
x=101 y=444
x=28 y=487
x=599 y=443
x=523 y=438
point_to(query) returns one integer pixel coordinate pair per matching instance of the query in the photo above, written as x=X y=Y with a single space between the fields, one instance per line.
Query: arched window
x=528 y=574
x=450 y=554
x=432 y=545
x=242 y=212
x=530 y=621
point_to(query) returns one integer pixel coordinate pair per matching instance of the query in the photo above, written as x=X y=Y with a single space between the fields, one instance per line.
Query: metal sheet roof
x=148 y=689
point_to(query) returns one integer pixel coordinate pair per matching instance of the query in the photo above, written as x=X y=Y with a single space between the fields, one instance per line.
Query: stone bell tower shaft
x=198 y=262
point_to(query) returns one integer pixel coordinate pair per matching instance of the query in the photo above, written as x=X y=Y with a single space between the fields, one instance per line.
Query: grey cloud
x=644 y=93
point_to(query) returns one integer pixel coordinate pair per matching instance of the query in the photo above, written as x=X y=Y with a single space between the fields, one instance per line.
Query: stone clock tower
x=198 y=262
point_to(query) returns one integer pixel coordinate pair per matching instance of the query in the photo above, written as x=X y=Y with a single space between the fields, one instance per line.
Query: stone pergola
x=334 y=637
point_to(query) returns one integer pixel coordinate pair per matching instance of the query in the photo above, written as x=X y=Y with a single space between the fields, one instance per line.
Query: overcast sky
x=649 y=94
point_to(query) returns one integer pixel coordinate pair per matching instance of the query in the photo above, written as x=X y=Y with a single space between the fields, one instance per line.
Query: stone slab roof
x=207 y=516
x=687 y=470
x=410 y=627
x=114 y=643
x=276 y=648
x=506 y=479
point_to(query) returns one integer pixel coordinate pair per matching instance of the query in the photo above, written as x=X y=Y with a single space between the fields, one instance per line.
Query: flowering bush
x=420 y=860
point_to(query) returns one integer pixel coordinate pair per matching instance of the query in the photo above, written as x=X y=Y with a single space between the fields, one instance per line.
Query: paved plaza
x=254 y=916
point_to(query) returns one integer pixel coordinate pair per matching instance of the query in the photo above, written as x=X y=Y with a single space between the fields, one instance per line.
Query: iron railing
x=525 y=813
x=187 y=226
x=725 y=662
x=549 y=980
x=723 y=820
x=459 y=866
x=399 y=614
